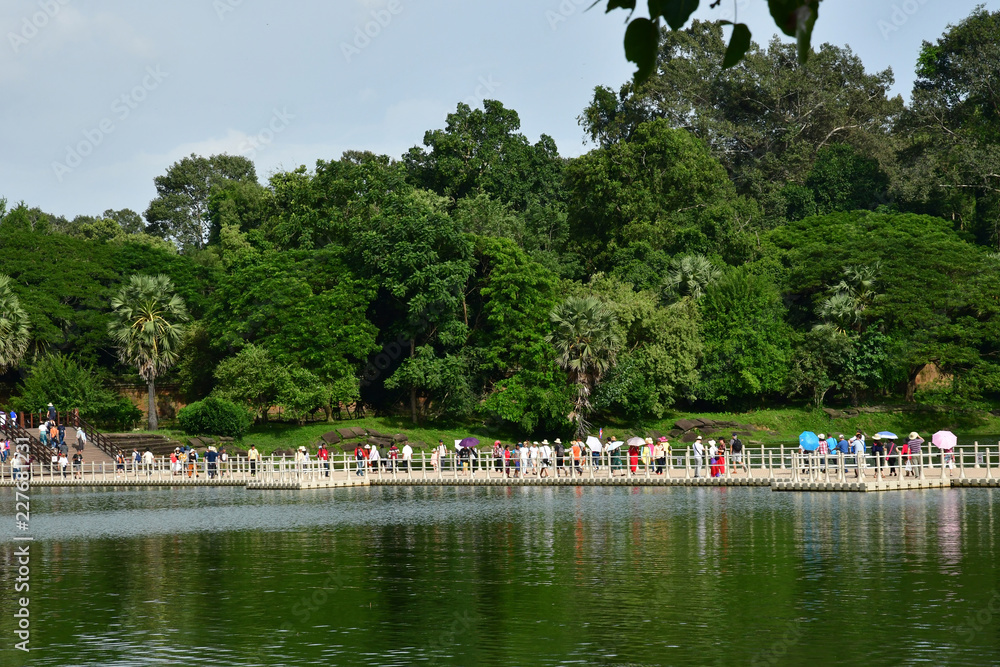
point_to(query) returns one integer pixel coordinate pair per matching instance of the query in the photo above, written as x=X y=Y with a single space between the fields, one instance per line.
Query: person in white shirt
x=147 y=461
x=546 y=454
x=524 y=460
x=533 y=457
x=408 y=456
x=698 y=451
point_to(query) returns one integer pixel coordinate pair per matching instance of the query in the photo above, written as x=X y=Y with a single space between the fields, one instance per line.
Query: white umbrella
x=594 y=443
x=613 y=445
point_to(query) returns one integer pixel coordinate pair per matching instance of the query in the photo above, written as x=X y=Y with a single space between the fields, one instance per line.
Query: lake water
x=507 y=576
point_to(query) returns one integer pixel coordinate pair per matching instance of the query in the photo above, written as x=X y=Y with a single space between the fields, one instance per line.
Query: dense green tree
x=306 y=309
x=661 y=188
x=253 y=378
x=661 y=350
x=937 y=293
x=147 y=329
x=180 y=212
x=951 y=164
x=765 y=119
x=482 y=152
x=746 y=340
x=516 y=366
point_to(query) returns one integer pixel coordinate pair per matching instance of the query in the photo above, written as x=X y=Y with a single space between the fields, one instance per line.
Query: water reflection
x=503 y=576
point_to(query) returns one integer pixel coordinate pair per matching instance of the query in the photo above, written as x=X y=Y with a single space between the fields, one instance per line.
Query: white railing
x=756 y=462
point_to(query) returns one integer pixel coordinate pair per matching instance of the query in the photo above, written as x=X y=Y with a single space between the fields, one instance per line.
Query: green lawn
x=775 y=426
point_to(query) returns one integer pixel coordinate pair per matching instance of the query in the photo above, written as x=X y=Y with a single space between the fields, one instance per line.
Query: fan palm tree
x=850 y=300
x=14 y=332
x=689 y=275
x=586 y=341
x=148 y=329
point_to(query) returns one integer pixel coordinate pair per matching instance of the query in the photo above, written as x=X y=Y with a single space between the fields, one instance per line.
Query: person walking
x=148 y=460
x=878 y=451
x=546 y=454
x=407 y=457
x=254 y=457
x=497 y=455
x=211 y=459
x=859 y=457
x=360 y=457
x=890 y=456
x=81 y=439
x=697 y=453
x=324 y=458
x=660 y=455
x=916 y=444
x=736 y=445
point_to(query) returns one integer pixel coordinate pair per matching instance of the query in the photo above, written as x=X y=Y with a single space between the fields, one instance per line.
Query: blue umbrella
x=889 y=435
x=808 y=441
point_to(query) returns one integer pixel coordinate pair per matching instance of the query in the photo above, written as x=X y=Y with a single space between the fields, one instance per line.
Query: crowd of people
x=884 y=449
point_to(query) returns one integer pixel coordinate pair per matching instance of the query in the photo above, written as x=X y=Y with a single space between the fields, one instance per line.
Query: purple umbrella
x=469 y=442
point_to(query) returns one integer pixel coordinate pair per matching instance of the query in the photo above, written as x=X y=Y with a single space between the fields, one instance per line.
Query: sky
x=98 y=97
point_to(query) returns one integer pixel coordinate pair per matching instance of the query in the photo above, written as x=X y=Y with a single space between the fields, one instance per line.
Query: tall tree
x=764 y=119
x=587 y=341
x=952 y=162
x=15 y=334
x=180 y=212
x=147 y=329
x=482 y=151
x=661 y=188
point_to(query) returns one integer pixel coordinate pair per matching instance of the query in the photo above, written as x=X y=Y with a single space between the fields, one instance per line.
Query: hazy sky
x=100 y=96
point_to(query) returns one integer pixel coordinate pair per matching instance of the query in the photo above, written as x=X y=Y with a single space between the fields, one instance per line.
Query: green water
x=495 y=576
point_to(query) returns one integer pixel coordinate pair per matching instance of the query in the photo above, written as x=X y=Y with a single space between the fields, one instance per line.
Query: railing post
x=781 y=461
x=687 y=463
x=975 y=459
x=989 y=469
x=770 y=464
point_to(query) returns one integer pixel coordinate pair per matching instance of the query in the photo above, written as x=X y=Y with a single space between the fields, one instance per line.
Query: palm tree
x=14 y=332
x=147 y=329
x=689 y=275
x=586 y=340
x=850 y=300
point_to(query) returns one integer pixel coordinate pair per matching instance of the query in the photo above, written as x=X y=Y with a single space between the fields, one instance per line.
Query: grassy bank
x=771 y=426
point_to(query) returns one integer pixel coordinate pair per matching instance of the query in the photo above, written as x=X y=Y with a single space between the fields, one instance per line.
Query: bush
x=122 y=414
x=214 y=416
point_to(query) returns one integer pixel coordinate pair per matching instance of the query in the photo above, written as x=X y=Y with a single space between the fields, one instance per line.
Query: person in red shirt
x=323 y=455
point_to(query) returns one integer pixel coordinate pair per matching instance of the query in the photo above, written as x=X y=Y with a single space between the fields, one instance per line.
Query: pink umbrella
x=944 y=440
